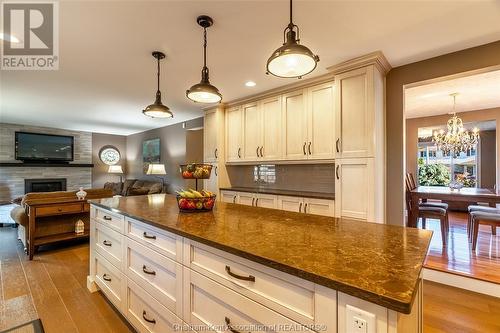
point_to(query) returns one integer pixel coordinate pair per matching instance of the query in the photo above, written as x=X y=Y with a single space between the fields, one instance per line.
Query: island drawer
x=296 y=298
x=111 y=281
x=158 y=275
x=146 y=314
x=109 y=244
x=166 y=243
x=113 y=220
x=208 y=303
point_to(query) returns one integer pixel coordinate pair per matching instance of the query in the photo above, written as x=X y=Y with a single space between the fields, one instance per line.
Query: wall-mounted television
x=38 y=147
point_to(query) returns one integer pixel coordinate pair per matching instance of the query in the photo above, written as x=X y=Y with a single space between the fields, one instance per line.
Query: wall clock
x=109 y=155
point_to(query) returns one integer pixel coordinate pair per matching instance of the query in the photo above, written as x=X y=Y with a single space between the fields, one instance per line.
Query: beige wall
x=453 y=63
x=100 y=173
x=490 y=160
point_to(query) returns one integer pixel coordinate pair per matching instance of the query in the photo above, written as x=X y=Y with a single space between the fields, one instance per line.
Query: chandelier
x=456 y=139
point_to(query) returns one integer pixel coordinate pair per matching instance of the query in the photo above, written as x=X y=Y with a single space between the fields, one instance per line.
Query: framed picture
x=150 y=152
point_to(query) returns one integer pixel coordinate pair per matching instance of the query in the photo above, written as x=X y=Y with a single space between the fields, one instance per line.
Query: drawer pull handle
x=145 y=234
x=59 y=209
x=239 y=277
x=239 y=152
x=106 y=278
x=337 y=172
x=215 y=153
x=229 y=327
x=107 y=218
x=147 y=271
x=300 y=207
x=107 y=243
x=304 y=148
x=337 y=145
x=261 y=151
x=309 y=148
x=305 y=208
x=152 y=321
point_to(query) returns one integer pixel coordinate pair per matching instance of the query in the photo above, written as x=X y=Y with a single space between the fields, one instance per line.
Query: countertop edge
x=387 y=302
x=313 y=195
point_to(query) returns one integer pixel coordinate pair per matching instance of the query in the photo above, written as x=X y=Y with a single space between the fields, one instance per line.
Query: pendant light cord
x=204 y=47
x=291 y=23
x=158 y=75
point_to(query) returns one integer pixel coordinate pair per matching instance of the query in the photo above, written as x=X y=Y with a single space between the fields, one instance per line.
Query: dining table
x=471 y=195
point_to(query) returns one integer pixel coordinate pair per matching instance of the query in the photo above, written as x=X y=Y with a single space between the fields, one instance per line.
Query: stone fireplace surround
x=12 y=178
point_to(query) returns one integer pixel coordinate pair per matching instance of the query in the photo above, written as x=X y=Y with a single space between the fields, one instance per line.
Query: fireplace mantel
x=44 y=165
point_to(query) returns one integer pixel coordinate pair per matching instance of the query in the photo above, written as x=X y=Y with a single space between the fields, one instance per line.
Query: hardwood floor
x=52 y=287
x=458 y=258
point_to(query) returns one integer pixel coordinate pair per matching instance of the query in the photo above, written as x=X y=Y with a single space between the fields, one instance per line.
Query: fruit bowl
x=194 y=201
x=196 y=171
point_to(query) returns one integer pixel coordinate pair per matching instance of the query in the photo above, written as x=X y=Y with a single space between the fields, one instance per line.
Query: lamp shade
x=115 y=169
x=156 y=169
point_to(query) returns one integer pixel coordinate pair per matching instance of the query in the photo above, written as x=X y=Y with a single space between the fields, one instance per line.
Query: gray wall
x=100 y=173
x=488 y=159
x=172 y=152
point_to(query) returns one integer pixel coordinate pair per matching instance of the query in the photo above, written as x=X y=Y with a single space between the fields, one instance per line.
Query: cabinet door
x=228 y=196
x=295 y=121
x=319 y=207
x=354 y=188
x=251 y=132
x=271 y=115
x=210 y=137
x=290 y=204
x=212 y=184
x=247 y=199
x=266 y=201
x=321 y=122
x=355 y=113
x=234 y=121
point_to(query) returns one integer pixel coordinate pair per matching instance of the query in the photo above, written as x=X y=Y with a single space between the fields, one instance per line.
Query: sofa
x=131 y=187
x=54 y=224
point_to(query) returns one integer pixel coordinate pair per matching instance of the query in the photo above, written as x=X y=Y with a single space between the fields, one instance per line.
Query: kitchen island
x=240 y=266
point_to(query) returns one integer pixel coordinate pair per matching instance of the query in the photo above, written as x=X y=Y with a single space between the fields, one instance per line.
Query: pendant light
x=291 y=59
x=157 y=109
x=204 y=92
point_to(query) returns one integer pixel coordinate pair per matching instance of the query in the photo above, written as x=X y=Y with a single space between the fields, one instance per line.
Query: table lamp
x=157 y=169
x=116 y=169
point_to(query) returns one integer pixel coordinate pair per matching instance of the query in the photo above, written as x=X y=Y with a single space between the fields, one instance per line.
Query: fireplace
x=44 y=185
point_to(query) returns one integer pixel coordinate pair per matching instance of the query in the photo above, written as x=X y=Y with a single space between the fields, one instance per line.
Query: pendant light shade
x=157 y=109
x=204 y=92
x=291 y=59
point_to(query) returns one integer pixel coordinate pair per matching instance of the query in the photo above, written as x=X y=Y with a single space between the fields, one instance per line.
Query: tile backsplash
x=294 y=177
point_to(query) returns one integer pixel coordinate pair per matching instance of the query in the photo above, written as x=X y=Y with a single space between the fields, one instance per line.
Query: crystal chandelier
x=457 y=139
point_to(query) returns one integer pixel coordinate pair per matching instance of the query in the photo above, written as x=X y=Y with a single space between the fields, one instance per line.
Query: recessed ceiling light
x=9 y=38
x=250 y=84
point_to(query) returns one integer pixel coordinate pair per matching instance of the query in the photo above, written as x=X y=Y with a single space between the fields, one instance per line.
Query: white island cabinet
x=162 y=282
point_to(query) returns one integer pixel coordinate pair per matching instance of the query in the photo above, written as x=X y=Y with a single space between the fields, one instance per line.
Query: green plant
x=433 y=175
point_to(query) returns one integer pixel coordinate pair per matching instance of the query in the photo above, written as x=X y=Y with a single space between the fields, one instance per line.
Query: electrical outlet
x=360 y=321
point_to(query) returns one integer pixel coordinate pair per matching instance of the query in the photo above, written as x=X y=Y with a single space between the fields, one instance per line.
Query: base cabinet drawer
x=160 y=276
x=109 y=244
x=61 y=209
x=168 y=244
x=111 y=281
x=112 y=220
x=208 y=303
x=146 y=314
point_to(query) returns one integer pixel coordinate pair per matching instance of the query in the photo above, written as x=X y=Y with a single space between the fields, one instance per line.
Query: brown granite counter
x=290 y=193
x=375 y=262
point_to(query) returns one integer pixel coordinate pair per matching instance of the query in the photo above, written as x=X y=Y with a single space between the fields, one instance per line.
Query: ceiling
x=106 y=74
x=475 y=92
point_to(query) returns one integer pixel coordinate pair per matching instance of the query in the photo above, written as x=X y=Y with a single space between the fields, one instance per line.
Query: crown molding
x=376 y=58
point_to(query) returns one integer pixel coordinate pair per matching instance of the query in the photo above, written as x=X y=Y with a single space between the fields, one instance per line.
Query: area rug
x=34 y=326
x=5 y=218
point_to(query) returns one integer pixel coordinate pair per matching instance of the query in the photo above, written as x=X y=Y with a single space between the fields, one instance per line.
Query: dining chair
x=436 y=210
x=411 y=184
x=481 y=217
x=484 y=209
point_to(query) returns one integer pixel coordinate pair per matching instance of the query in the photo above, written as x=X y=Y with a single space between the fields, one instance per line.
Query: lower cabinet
x=178 y=284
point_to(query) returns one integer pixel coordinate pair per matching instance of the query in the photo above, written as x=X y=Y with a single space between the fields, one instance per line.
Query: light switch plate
x=360 y=321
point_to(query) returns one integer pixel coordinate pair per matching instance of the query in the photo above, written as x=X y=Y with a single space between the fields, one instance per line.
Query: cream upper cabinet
x=234 y=135
x=355 y=112
x=321 y=122
x=251 y=131
x=295 y=125
x=354 y=189
x=210 y=151
x=271 y=116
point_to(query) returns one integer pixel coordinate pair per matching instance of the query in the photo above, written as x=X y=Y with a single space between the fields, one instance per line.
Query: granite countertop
x=305 y=194
x=375 y=262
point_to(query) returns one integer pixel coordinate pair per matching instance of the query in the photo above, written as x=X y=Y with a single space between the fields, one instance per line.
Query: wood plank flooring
x=52 y=287
x=458 y=258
